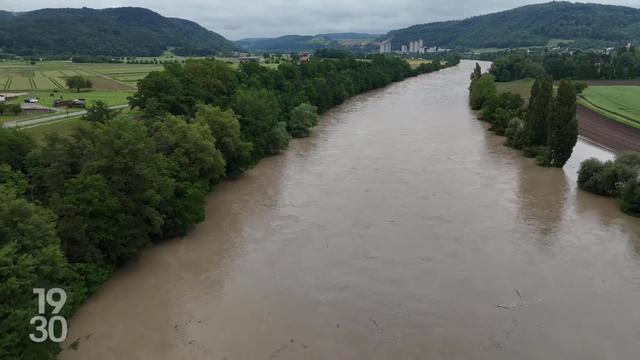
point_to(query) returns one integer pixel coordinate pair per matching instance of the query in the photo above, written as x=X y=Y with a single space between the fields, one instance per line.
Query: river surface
x=401 y=229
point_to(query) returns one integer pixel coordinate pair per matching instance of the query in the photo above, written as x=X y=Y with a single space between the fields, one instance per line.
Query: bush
x=515 y=133
x=631 y=198
x=543 y=156
x=607 y=179
x=302 y=119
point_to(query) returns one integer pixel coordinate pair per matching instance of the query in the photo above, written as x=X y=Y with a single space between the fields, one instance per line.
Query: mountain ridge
x=122 y=31
x=529 y=25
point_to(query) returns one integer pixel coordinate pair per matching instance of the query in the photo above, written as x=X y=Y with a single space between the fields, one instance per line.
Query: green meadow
x=620 y=103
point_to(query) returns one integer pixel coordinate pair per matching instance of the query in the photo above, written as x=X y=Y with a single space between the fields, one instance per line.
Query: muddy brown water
x=401 y=230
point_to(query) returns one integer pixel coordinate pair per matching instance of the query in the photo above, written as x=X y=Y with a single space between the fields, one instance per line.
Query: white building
x=385 y=47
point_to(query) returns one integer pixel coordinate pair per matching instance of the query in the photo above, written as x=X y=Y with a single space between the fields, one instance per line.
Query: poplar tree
x=538 y=112
x=563 y=126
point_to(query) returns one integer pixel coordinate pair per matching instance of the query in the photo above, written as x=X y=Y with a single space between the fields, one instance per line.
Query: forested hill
x=289 y=43
x=123 y=31
x=532 y=25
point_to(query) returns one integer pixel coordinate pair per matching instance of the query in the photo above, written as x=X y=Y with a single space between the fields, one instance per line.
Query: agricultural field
x=52 y=75
x=620 y=103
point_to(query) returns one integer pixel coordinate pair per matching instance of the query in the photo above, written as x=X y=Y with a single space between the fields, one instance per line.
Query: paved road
x=42 y=120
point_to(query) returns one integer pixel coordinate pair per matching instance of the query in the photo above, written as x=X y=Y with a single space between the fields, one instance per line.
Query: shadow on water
x=542 y=197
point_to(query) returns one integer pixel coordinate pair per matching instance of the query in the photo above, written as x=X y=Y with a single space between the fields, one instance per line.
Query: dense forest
x=623 y=63
x=533 y=25
x=77 y=207
x=116 y=32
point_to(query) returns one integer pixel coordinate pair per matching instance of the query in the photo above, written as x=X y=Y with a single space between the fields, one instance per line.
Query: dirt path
x=607 y=132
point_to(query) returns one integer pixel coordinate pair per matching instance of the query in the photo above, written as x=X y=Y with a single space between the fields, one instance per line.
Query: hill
x=532 y=25
x=306 y=42
x=126 y=31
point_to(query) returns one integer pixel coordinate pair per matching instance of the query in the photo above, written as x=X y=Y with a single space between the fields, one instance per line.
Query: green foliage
x=302 y=119
x=563 y=126
x=482 y=90
x=30 y=257
x=624 y=63
x=539 y=111
x=259 y=117
x=544 y=156
x=515 y=133
x=631 y=198
x=79 y=82
x=225 y=127
x=507 y=102
x=194 y=164
x=10 y=108
x=14 y=147
x=123 y=31
x=99 y=112
x=611 y=177
x=13 y=179
x=515 y=66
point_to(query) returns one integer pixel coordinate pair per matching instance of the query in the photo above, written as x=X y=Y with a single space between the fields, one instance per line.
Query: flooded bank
x=401 y=229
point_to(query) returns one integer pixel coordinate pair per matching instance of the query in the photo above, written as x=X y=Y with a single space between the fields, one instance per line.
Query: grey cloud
x=265 y=18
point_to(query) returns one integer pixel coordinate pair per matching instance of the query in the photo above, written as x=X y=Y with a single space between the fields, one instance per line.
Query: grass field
x=620 y=103
x=521 y=87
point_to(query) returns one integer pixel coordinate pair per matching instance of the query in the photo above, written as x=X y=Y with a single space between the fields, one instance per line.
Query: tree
x=538 y=112
x=79 y=82
x=225 y=128
x=477 y=72
x=99 y=111
x=302 y=119
x=563 y=126
x=30 y=258
x=125 y=155
x=14 y=147
x=193 y=163
x=482 y=91
x=13 y=179
x=259 y=113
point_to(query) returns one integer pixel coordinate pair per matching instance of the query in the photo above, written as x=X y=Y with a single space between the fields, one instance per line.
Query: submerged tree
x=302 y=118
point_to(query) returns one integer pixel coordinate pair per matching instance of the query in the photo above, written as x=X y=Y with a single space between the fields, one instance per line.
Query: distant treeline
x=623 y=63
x=77 y=207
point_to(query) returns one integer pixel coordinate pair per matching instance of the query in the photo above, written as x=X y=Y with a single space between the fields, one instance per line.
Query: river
x=401 y=229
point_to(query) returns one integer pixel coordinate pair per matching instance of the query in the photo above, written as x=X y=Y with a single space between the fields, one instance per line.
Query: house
x=304 y=58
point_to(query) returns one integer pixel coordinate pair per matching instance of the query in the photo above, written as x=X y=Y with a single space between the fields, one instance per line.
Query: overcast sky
x=236 y=19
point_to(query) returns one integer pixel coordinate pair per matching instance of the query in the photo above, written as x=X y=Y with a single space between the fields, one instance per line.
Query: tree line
x=75 y=208
x=623 y=63
x=546 y=129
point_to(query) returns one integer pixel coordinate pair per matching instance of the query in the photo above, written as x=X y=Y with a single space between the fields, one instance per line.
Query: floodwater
x=401 y=230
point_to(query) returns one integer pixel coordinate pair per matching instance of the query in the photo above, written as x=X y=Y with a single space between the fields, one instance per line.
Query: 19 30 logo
x=54 y=328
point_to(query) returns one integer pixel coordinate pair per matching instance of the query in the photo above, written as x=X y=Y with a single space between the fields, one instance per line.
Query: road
x=63 y=116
